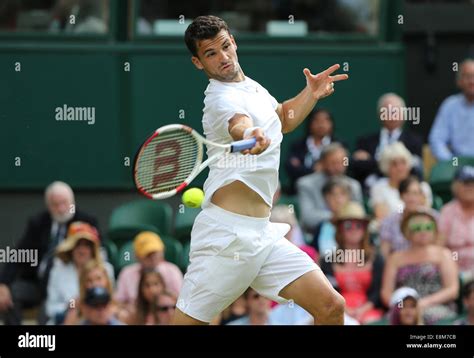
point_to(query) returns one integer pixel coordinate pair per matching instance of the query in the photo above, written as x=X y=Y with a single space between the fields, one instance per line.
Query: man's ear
x=197 y=63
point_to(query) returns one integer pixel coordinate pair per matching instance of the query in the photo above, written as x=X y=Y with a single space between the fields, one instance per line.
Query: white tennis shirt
x=259 y=172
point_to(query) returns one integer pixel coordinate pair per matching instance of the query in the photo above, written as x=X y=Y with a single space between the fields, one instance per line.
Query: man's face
x=391 y=113
x=218 y=57
x=466 y=79
x=59 y=205
x=333 y=163
x=152 y=260
x=321 y=125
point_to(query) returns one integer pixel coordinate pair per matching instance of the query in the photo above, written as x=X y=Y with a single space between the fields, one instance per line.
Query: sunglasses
x=418 y=227
x=166 y=308
x=353 y=225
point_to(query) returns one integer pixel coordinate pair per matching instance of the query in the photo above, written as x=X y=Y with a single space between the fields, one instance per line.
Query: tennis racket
x=172 y=157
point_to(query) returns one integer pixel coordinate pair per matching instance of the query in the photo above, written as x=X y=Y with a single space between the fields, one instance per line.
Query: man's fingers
x=307 y=72
x=331 y=69
x=339 y=77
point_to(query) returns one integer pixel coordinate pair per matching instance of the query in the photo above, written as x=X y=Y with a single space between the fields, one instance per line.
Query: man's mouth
x=225 y=67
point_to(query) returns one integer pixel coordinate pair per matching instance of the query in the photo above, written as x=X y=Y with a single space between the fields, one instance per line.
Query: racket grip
x=242 y=145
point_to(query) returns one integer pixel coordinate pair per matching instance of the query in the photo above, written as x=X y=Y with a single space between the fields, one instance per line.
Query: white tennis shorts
x=231 y=252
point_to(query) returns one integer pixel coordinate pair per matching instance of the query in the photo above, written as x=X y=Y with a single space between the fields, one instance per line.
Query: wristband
x=248 y=131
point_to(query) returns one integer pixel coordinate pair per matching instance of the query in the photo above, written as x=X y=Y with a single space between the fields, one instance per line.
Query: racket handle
x=242 y=145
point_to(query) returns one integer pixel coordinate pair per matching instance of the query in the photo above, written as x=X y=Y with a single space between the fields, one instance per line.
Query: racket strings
x=166 y=161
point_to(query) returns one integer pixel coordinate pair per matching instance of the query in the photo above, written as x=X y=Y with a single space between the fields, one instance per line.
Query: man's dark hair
x=203 y=28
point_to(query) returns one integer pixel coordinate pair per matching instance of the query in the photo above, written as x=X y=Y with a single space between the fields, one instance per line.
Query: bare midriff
x=238 y=198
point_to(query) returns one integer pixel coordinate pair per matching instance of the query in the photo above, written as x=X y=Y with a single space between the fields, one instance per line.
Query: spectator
x=395 y=162
x=369 y=148
x=284 y=214
x=424 y=266
x=468 y=300
x=236 y=310
x=305 y=153
x=413 y=197
x=355 y=268
x=337 y=194
x=149 y=251
x=259 y=308
x=93 y=274
x=150 y=286
x=451 y=133
x=456 y=222
x=23 y=285
x=312 y=206
x=166 y=307
x=97 y=308
x=80 y=246
x=88 y=15
x=404 y=308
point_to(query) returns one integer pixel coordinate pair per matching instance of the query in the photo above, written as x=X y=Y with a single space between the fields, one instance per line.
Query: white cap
x=400 y=294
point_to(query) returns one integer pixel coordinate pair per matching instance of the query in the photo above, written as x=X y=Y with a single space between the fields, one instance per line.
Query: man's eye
x=226 y=47
x=211 y=54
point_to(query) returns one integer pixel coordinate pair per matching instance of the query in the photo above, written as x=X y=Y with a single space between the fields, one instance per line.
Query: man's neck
x=469 y=99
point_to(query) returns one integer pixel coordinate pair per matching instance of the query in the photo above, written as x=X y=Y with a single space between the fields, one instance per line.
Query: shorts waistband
x=230 y=218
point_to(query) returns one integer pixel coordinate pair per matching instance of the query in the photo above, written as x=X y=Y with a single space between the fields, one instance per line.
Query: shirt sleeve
x=221 y=109
x=439 y=135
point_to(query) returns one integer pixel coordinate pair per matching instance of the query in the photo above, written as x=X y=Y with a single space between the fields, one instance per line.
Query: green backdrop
x=161 y=82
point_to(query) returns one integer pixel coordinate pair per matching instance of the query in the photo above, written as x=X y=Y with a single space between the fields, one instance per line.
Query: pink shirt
x=458 y=229
x=129 y=277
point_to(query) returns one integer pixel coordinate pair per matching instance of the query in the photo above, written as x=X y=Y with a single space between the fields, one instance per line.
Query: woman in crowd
x=80 y=246
x=93 y=274
x=304 y=154
x=404 y=308
x=395 y=163
x=390 y=234
x=150 y=286
x=425 y=266
x=355 y=268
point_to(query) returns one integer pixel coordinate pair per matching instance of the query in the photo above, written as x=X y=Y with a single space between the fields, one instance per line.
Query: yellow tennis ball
x=193 y=197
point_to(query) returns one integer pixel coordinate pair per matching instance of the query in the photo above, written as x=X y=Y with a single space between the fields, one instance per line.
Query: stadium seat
x=112 y=252
x=142 y=213
x=121 y=235
x=184 y=220
x=442 y=176
x=437 y=202
x=125 y=257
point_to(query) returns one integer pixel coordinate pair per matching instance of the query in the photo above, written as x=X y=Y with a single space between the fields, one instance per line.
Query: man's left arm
x=293 y=111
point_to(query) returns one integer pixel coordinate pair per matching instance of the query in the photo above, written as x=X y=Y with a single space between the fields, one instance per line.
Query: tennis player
x=233 y=243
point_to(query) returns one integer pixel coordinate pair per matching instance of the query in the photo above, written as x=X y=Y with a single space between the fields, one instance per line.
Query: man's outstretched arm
x=293 y=111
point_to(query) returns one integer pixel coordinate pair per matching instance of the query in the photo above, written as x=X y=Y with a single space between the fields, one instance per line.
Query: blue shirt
x=453 y=129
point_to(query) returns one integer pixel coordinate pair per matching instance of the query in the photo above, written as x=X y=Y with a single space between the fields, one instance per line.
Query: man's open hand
x=322 y=84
